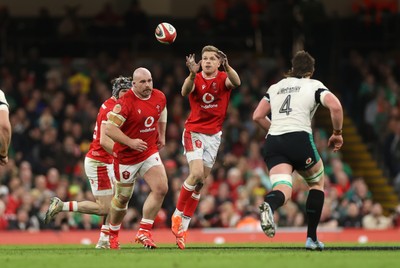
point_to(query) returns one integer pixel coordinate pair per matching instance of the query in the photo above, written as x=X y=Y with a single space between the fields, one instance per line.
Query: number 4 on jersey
x=285 y=108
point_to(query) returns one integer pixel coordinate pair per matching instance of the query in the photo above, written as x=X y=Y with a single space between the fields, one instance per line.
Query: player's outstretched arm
x=260 y=114
x=188 y=84
x=233 y=80
x=336 y=112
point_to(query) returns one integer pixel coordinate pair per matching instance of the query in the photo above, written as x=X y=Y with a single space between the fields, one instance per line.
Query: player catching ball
x=209 y=91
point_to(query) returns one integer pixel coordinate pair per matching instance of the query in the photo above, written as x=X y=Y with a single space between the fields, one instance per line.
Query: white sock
x=104 y=231
x=70 y=206
x=178 y=212
x=185 y=222
x=115 y=227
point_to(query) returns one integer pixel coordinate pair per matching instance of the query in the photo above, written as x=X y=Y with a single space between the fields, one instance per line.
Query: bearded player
x=137 y=124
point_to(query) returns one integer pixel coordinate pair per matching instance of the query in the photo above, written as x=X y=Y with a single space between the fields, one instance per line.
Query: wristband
x=337 y=132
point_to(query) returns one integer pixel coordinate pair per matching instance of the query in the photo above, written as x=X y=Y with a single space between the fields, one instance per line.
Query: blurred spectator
x=228 y=215
x=376 y=220
x=23 y=221
x=352 y=218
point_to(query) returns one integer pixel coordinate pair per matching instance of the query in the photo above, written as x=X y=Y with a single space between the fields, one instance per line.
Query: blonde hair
x=209 y=48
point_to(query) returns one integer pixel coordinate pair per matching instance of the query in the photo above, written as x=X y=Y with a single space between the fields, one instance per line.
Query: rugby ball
x=165 y=33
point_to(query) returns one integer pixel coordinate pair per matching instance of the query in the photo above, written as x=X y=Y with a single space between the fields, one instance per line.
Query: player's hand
x=223 y=59
x=138 y=145
x=192 y=65
x=160 y=143
x=335 y=141
x=3 y=161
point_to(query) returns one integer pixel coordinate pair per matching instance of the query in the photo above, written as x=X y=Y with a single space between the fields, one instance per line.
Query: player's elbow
x=257 y=116
x=237 y=83
x=5 y=131
x=103 y=142
x=184 y=92
x=107 y=131
x=336 y=108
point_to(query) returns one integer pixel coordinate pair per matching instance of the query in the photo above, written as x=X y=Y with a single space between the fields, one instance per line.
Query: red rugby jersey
x=141 y=122
x=208 y=102
x=96 y=151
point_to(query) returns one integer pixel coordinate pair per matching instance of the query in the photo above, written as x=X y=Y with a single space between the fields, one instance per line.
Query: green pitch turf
x=221 y=256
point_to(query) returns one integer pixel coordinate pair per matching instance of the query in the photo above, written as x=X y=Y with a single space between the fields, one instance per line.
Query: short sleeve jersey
x=293 y=104
x=208 y=102
x=96 y=151
x=3 y=101
x=141 y=122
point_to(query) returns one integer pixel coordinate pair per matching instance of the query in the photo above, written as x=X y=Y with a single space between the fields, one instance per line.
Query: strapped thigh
x=316 y=177
x=277 y=179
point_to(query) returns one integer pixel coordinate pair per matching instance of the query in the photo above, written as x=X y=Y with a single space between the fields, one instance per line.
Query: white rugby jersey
x=3 y=101
x=293 y=104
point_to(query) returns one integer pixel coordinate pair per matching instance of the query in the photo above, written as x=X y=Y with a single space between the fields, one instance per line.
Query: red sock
x=114 y=229
x=146 y=224
x=184 y=196
x=191 y=204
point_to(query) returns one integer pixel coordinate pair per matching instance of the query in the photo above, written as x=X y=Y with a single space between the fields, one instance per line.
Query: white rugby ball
x=165 y=33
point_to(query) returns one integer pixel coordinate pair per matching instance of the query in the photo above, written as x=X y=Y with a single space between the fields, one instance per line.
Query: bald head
x=140 y=72
x=142 y=82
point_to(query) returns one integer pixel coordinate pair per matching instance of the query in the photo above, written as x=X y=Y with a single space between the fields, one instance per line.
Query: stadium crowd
x=54 y=104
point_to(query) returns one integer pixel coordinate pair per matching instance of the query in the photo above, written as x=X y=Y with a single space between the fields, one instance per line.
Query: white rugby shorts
x=201 y=146
x=127 y=173
x=100 y=176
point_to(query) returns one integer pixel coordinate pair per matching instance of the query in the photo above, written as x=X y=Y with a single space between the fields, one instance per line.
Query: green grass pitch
x=201 y=255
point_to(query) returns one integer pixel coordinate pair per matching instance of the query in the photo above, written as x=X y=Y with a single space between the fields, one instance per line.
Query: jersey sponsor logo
x=309 y=162
x=126 y=175
x=208 y=99
x=198 y=143
x=148 y=123
x=117 y=108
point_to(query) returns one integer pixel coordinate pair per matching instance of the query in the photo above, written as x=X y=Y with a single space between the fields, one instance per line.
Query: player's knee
x=198 y=186
x=123 y=192
x=197 y=176
x=104 y=210
x=161 y=189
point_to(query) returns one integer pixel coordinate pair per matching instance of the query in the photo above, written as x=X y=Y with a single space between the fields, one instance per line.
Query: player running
x=137 y=124
x=289 y=144
x=98 y=168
